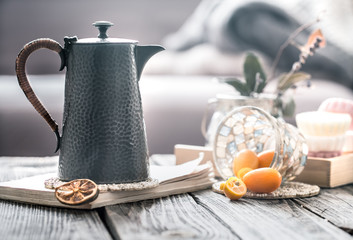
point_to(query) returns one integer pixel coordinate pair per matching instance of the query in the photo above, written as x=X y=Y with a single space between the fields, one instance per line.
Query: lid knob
x=102 y=27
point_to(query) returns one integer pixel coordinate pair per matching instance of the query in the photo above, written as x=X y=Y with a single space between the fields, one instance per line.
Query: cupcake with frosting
x=324 y=132
x=341 y=105
x=338 y=105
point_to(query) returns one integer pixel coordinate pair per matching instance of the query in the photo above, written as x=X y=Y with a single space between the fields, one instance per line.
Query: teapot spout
x=143 y=54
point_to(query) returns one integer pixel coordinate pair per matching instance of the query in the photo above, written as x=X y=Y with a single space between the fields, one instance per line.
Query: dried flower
x=77 y=191
x=255 y=77
x=316 y=40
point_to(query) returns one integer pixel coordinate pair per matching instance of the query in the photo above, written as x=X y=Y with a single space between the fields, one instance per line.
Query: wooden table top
x=197 y=215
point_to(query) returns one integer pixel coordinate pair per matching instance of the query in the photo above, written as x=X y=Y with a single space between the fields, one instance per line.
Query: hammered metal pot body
x=103 y=136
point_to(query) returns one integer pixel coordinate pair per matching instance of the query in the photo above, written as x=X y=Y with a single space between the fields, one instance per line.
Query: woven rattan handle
x=24 y=83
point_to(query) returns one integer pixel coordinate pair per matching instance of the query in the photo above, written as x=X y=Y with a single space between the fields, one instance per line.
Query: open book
x=174 y=179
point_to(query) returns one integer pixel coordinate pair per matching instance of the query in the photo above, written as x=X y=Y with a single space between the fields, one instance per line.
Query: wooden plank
x=19 y=167
x=335 y=205
x=21 y=221
x=317 y=172
x=268 y=219
x=25 y=221
x=328 y=172
x=174 y=217
x=341 y=170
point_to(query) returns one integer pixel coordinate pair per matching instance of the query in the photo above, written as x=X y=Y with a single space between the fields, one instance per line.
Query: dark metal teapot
x=103 y=134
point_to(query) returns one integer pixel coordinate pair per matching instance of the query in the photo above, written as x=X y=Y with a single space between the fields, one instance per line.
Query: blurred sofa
x=175 y=85
x=173 y=109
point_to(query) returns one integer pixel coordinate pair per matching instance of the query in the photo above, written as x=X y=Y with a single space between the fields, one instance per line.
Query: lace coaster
x=287 y=190
x=54 y=182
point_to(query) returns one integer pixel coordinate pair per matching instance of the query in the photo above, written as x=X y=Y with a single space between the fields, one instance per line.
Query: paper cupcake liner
x=348 y=145
x=325 y=144
x=323 y=123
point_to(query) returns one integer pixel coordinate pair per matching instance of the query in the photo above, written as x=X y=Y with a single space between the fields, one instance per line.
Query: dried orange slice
x=234 y=188
x=77 y=191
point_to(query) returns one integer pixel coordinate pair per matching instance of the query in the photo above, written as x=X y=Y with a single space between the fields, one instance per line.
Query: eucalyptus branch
x=290 y=40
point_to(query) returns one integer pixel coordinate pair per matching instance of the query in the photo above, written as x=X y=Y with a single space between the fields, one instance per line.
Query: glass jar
x=253 y=128
x=224 y=103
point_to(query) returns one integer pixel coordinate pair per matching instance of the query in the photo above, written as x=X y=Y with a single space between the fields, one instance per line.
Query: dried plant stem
x=289 y=40
x=302 y=58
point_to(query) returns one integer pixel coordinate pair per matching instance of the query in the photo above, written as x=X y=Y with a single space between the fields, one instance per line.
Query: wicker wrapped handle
x=24 y=83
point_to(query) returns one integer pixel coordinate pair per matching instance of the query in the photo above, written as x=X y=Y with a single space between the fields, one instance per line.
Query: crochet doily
x=287 y=190
x=54 y=182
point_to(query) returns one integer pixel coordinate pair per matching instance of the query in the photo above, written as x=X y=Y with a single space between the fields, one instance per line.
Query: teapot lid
x=103 y=37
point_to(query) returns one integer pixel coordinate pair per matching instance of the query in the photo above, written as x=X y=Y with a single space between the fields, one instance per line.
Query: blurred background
x=204 y=39
x=22 y=21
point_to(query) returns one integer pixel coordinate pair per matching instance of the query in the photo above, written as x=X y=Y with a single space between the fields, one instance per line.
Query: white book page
x=166 y=173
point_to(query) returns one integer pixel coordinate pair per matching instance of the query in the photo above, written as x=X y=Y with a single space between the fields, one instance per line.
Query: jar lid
x=103 y=38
